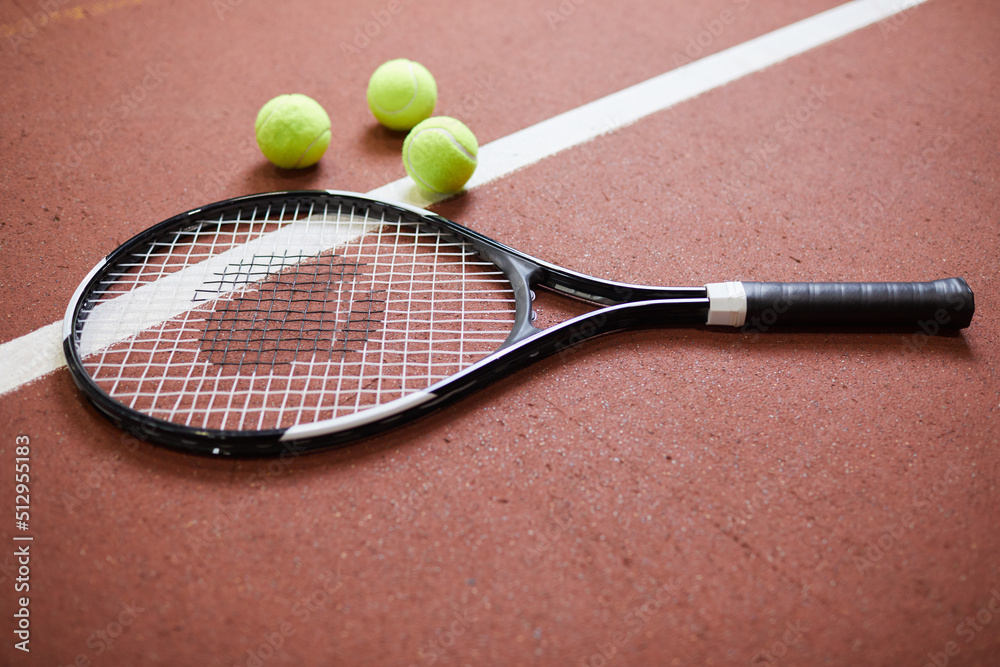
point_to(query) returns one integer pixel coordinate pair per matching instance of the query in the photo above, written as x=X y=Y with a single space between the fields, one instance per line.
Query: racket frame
x=619 y=306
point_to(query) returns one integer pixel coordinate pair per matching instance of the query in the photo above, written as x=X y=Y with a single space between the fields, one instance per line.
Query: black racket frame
x=619 y=306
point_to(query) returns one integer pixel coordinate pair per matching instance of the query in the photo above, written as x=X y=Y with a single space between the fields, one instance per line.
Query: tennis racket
x=294 y=321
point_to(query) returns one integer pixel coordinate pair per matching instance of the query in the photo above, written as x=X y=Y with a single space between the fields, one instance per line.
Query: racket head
x=290 y=321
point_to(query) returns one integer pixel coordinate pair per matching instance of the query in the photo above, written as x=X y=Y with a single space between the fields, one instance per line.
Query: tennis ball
x=440 y=154
x=293 y=131
x=401 y=93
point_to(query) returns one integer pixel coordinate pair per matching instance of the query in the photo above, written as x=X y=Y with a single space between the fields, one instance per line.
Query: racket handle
x=929 y=306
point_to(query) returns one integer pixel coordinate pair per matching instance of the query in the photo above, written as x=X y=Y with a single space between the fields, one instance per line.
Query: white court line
x=33 y=355
x=173 y=294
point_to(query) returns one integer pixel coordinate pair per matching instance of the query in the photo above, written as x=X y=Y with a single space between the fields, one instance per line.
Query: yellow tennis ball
x=293 y=131
x=401 y=93
x=440 y=154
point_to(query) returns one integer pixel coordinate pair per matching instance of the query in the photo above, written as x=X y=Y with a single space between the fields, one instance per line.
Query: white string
x=211 y=365
x=313 y=359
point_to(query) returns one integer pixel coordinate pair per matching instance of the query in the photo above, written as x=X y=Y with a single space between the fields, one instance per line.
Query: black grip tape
x=939 y=304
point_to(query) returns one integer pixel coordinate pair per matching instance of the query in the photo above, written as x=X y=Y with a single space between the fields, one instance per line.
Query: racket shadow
x=380 y=140
x=881 y=341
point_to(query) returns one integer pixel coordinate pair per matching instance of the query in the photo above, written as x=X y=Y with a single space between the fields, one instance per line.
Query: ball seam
x=413 y=172
x=455 y=142
x=309 y=148
x=413 y=99
x=284 y=99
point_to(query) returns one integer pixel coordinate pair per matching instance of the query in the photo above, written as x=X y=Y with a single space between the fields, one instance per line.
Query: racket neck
x=609 y=292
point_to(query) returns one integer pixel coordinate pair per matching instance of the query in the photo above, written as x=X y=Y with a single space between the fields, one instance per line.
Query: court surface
x=672 y=497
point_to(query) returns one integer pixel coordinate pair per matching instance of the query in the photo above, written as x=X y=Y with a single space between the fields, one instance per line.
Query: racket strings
x=290 y=315
x=179 y=249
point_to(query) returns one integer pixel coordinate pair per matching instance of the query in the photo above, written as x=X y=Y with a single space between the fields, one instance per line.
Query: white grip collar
x=727 y=304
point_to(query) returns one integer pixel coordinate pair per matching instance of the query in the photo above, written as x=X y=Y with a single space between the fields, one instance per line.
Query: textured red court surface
x=677 y=497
